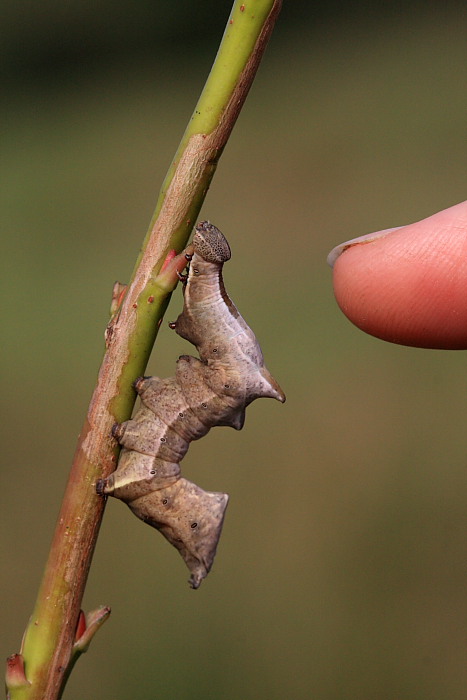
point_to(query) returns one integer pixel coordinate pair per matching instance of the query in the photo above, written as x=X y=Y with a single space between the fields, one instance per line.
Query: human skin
x=408 y=285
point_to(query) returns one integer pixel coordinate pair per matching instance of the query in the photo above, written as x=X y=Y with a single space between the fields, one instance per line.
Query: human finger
x=408 y=285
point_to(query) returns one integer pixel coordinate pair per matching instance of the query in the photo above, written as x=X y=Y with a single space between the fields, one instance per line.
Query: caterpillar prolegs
x=213 y=390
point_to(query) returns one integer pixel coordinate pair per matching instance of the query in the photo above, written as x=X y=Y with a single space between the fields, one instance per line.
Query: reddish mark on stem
x=150 y=299
x=120 y=296
x=170 y=256
x=81 y=626
x=242 y=8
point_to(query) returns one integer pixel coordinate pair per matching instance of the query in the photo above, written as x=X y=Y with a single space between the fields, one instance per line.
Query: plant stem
x=47 y=648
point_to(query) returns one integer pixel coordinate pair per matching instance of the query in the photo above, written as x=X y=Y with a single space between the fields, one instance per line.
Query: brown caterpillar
x=214 y=390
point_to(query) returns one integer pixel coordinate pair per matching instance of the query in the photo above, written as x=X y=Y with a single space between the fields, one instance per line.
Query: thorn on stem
x=15 y=676
x=92 y=621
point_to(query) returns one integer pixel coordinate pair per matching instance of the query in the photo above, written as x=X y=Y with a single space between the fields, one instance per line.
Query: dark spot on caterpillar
x=172 y=325
x=150 y=299
x=167 y=501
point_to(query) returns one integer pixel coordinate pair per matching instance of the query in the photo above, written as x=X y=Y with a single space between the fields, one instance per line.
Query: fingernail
x=367 y=238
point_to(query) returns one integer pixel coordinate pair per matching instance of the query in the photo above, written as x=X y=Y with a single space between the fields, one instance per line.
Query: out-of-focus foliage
x=341 y=571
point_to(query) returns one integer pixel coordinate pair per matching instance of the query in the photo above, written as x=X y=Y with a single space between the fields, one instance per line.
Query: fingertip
x=409 y=286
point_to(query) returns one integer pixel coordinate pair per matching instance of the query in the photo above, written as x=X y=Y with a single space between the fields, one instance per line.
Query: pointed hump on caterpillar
x=210 y=243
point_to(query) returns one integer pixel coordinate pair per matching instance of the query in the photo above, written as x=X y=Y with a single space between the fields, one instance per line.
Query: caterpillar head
x=210 y=243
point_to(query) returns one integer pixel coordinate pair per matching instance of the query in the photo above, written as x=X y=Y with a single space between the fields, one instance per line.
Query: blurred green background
x=342 y=569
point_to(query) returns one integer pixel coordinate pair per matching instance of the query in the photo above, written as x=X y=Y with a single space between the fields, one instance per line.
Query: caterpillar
x=212 y=390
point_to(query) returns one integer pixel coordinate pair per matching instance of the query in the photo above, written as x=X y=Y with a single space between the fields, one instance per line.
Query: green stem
x=48 y=642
